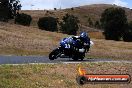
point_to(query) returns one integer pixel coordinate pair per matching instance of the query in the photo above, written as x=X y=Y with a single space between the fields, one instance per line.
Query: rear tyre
x=54 y=54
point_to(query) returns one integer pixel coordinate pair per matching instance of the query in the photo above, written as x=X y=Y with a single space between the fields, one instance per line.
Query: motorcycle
x=76 y=50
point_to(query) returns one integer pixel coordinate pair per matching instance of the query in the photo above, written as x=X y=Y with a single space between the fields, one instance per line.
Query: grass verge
x=58 y=75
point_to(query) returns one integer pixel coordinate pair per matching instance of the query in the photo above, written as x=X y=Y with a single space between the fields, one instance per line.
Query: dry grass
x=58 y=75
x=96 y=35
x=111 y=49
x=83 y=13
x=36 y=14
x=20 y=40
x=94 y=12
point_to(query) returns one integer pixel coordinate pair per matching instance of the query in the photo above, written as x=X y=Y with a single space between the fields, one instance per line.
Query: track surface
x=44 y=59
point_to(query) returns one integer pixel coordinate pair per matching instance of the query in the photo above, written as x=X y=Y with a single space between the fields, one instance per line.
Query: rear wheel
x=54 y=54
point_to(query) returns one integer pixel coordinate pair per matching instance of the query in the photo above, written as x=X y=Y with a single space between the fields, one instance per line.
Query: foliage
x=72 y=8
x=23 y=19
x=113 y=21
x=90 y=22
x=9 y=8
x=48 y=23
x=97 y=24
x=55 y=8
x=128 y=33
x=69 y=24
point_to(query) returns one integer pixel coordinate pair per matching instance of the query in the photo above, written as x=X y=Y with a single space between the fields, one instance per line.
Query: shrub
x=69 y=24
x=97 y=24
x=55 y=8
x=23 y=19
x=127 y=37
x=47 y=23
x=90 y=22
x=72 y=8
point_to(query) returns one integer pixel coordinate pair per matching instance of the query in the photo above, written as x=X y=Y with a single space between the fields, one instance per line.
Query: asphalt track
x=45 y=60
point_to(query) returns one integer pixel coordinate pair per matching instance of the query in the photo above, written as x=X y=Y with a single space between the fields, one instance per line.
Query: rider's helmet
x=84 y=35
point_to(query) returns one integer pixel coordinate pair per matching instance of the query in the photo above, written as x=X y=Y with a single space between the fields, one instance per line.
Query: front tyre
x=54 y=54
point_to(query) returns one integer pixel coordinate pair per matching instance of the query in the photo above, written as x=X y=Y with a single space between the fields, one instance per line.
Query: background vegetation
x=8 y=9
x=23 y=19
x=69 y=24
x=114 y=23
x=48 y=23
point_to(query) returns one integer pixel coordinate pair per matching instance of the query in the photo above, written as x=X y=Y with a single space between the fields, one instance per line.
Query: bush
x=55 y=8
x=72 y=8
x=47 y=23
x=113 y=21
x=97 y=24
x=127 y=37
x=23 y=19
x=90 y=22
x=69 y=24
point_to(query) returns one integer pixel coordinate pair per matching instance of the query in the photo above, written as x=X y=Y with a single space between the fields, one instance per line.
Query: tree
x=14 y=7
x=97 y=24
x=69 y=24
x=55 y=9
x=9 y=8
x=48 y=23
x=4 y=11
x=90 y=22
x=113 y=21
x=72 y=8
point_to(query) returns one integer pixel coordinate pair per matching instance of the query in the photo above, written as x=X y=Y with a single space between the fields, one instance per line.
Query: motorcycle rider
x=83 y=39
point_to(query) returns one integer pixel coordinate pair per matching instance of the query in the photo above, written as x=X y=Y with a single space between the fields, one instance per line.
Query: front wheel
x=54 y=54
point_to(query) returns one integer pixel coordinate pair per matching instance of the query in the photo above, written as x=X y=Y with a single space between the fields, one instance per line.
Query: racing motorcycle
x=76 y=50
